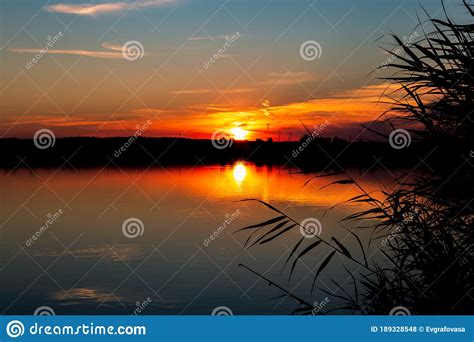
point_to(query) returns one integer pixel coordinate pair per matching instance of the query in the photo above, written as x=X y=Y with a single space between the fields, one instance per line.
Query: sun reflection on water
x=240 y=172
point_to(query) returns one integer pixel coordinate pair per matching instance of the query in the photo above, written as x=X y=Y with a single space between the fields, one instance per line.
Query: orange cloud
x=116 y=52
x=343 y=110
x=108 y=7
x=212 y=91
x=358 y=105
x=112 y=46
x=87 y=53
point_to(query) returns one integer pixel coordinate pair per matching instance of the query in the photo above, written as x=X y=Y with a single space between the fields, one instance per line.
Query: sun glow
x=239 y=133
x=240 y=172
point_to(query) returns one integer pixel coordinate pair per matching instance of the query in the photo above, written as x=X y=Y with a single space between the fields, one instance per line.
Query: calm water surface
x=82 y=263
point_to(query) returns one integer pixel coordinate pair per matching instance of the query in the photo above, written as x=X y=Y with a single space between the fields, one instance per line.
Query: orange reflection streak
x=90 y=294
x=225 y=184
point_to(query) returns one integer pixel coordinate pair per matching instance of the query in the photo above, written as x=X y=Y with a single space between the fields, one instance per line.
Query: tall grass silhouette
x=436 y=78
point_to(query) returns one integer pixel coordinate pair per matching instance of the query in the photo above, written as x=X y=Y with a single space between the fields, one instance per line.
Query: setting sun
x=239 y=133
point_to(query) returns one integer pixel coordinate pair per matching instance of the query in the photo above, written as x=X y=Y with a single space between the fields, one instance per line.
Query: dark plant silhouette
x=436 y=80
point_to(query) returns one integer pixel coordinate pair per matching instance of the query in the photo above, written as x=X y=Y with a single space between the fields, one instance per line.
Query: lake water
x=84 y=263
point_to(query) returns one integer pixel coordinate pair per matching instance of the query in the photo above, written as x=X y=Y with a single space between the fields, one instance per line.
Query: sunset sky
x=260 y=85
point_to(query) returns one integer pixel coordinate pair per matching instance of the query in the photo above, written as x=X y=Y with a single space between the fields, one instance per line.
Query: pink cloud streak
x=107 y=7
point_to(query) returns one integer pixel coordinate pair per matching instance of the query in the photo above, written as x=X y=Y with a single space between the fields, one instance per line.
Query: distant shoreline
x=81 y=152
